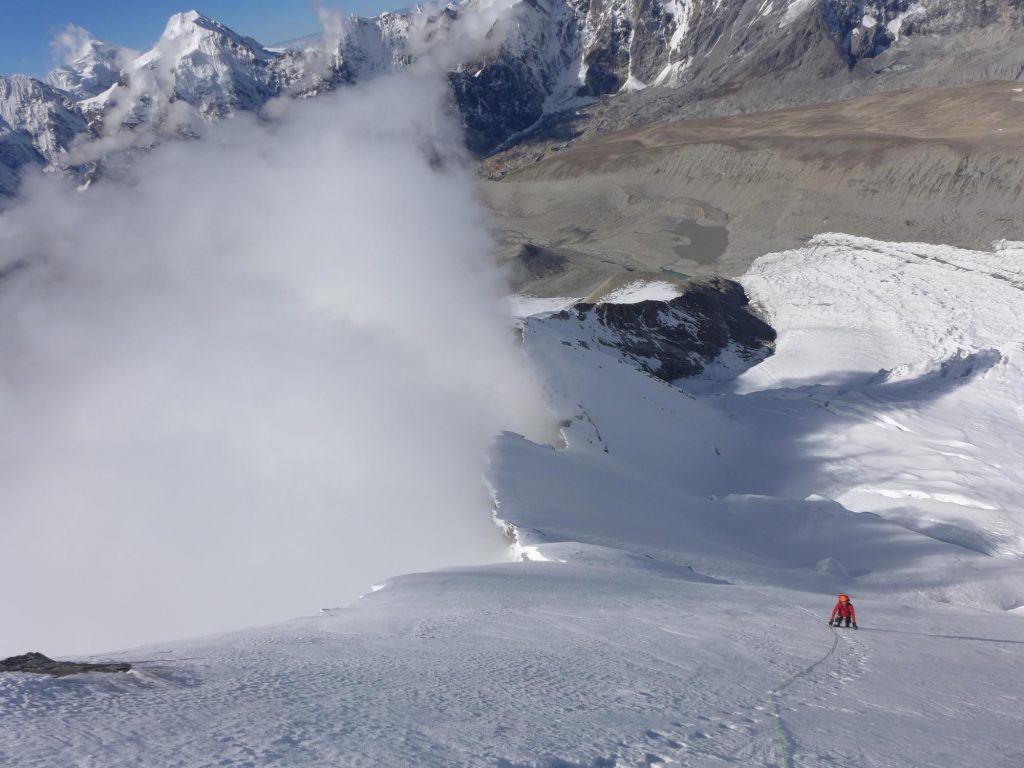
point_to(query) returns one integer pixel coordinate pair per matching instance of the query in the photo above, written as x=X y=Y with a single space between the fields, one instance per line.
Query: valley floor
x=674 y=566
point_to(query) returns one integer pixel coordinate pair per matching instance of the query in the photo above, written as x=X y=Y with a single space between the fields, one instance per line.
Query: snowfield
x=676 y=557
x=934 y=438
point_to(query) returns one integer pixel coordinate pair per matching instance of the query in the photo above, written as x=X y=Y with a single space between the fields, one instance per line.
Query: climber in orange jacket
x=843 y=610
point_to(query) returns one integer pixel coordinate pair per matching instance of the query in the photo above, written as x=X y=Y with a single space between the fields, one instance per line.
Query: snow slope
x=676 y=560
x=922 y=365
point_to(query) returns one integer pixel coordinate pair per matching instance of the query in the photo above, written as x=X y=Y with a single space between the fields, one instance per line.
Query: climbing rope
x=781 y=743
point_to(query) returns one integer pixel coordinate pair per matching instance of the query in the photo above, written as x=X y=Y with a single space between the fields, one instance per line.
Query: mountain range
x=631 y=61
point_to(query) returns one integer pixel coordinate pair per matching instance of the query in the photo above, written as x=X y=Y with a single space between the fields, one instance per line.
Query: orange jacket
x=844 y=609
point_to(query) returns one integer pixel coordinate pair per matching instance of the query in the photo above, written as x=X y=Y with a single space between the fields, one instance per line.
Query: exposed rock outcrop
x=37 y=663
x=674 y=339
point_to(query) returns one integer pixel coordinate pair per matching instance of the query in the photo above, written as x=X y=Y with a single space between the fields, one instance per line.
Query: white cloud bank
x=252 y=379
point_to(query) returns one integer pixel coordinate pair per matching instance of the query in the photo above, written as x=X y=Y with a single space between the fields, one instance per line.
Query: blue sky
x=27 y=27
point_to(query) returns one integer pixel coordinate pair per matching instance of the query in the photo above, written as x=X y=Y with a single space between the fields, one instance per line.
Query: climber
x=843 y=610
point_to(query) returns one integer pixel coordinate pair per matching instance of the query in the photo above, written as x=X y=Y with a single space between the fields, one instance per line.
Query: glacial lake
x=705 y=244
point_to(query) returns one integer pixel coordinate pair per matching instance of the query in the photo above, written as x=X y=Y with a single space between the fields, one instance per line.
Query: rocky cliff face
x=635 y=43
x=553 y=52
x=39 y=116
x=506 y=93
x=673 y=339
x=16 y=152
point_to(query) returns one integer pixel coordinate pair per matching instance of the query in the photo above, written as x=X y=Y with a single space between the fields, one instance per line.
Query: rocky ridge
x=35 y=114
x=673 y=339
x=36 y=663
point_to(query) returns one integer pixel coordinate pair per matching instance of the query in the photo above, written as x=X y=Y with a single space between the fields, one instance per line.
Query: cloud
x=71 y=43
x=479 y=30
x=253 y=377
x=333 y=24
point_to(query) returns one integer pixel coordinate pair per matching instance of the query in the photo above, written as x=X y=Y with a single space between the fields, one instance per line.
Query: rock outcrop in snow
x=38 y=664
x=676 y=338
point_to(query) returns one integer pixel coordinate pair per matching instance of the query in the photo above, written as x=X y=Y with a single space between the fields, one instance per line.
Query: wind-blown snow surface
x=680 y=560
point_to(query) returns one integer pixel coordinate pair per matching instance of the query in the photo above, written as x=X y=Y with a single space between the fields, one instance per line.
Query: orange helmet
x=844 y=598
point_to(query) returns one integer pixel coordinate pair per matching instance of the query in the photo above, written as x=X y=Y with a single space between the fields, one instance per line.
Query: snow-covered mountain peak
x=180 y=22
x=197 y=62
x=190 y=32
x=94 y=68
x=192 y=36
